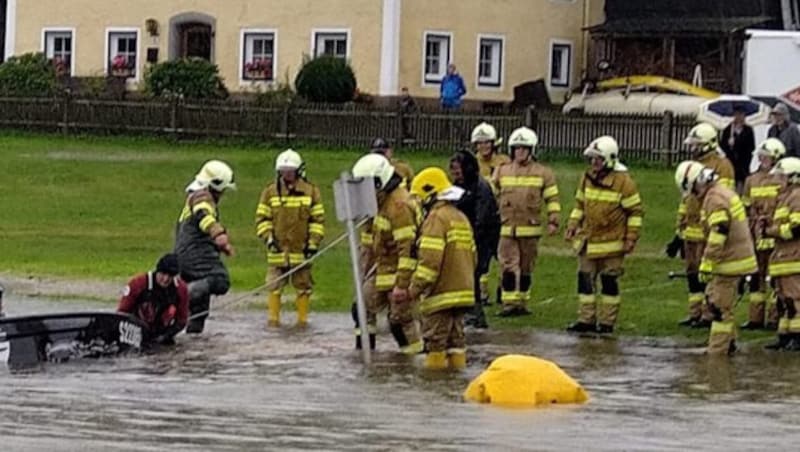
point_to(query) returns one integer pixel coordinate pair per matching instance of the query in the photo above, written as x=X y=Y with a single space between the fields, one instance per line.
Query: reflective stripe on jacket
x=760 y=197
x=395 y=231
x=785 y=260
x=690 y=226
x=524 y=191
x=729 y=247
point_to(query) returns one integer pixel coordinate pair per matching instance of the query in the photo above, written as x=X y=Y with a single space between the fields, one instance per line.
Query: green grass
x=106 y=208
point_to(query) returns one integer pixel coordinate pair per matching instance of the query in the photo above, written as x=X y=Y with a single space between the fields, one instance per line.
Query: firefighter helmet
x=789 y=167
x=376 y=166
x=523 y=137
x=484 y=132
x=704 y=137
x=430 y=183
x=607 y=149
x=690 y=173
x=771 y=147
x=216 y=175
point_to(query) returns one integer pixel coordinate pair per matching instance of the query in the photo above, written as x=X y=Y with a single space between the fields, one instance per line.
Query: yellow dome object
x=524 y=381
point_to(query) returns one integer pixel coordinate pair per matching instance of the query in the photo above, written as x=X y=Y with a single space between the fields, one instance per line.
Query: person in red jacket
x=159 y=299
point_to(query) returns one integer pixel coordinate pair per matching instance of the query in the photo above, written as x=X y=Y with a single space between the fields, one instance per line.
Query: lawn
x=106 y=208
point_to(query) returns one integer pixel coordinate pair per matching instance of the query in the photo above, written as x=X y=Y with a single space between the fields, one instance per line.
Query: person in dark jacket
x=784 y=129
x=480 y=207
x=739 y=142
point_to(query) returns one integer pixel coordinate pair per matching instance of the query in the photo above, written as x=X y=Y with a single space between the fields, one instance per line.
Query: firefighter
x=486 y=144
x=604 y=227
x=689 y=238
x=443 y=279
x=728 y=251
x=200 y=238
x=290 y=219
x=784 y=265
x=760 y=197
x=381 y=146
x=394 y=233
x=525 y=189
x=159 y=299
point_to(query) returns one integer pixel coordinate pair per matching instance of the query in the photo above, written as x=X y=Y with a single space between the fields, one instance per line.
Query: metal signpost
x=355 y=201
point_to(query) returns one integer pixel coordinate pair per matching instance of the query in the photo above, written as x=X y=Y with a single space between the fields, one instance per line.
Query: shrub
x=326 y=79
x=30 y=74
x=189 y=78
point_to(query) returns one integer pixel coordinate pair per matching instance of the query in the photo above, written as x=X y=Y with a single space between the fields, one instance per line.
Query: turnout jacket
x=760 y=197
x=198 y=225
x=690 y=226
x=394 y=231
x=445 y=273
x=608 y=211
x=156 y=306
x=785 y=260
x=293 y=218
x=487 y=167
x=524 y=191
x=403 y=170
x=729 y=246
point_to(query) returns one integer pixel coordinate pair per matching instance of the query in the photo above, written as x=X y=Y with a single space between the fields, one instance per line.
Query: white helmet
x=523 y=137
x=771 y=147
x=484 y=132
x=606 y=148
x=214 y=174
x=690 y=173
x=376 y=166
x=704 y=136
x=290 y=160
x=789 y=167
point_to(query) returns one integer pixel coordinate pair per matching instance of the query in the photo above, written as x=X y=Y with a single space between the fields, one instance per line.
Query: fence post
x=531 y=118
x=400 y=132
x=173 y=116
x=65 y=114
x=666 y=138
x=286 y=123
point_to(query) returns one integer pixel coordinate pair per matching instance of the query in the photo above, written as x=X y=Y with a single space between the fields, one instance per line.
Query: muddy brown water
x=241 y=387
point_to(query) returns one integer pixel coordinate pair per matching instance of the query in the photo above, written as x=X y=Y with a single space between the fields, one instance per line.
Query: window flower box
x=258 y=69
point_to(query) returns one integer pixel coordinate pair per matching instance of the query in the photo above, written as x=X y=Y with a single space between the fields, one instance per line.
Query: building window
x=258 y=55
x=331 y=44
x=560 y=64
x=490 y=62
x=122 y=53
x=58 y=47
x=437 y=56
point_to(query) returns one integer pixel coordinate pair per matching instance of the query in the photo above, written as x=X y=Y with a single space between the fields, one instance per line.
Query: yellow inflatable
x=520 y=381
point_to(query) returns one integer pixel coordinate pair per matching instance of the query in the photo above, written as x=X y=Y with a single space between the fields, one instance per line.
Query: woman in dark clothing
x=480 y=207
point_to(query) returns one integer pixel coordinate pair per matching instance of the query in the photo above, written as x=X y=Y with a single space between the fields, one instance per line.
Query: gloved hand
x=310 y=250
x=272 y=245
x=674 y=247
x=224 y=244
x=704 y=277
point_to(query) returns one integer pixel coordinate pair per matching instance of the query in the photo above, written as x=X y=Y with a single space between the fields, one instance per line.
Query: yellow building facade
x=391 y=44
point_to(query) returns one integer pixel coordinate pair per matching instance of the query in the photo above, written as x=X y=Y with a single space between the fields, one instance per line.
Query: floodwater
x=240 y=387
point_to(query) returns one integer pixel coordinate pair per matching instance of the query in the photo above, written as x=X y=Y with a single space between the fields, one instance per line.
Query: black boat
x=28 y=340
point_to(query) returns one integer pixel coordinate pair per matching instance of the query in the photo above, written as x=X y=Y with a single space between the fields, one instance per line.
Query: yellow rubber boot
x=436 y=361
x=302 y=304
x=274 y=309
x=458 y=359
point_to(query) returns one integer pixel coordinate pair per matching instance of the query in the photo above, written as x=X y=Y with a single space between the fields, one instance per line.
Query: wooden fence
x=654 y=138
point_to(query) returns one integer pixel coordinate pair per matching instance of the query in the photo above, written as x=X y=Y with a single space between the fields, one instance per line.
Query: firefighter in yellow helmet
x=486 y=145
x=394 y=231
x=443 y=279
x=290 y=219
x=703 y=144
x=604 y=227
x=760 y=197
x=728 y=253
x=200 y=238
x=526 y=189
x=784 y=265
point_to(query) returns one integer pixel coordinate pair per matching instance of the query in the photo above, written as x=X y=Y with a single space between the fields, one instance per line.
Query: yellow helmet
x=606 y=148
x=689 y=173
x=216 y=175
x=789 y=167
x=771 y=147
x=704 y=136
x=484 y=132
x=376 y=166
x=429 y=183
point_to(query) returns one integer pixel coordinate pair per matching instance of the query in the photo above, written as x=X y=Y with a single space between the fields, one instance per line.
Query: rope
x=237 y=300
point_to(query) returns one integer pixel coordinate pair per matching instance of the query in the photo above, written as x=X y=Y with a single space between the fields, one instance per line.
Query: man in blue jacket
x=452 y=89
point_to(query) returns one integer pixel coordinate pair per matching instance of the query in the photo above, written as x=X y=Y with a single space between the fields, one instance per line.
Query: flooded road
x=241 y=387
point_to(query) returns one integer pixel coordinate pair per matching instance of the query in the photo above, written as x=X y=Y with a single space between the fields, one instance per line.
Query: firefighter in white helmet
x=527 y=191
x=604 y=226
x=784 y=265
x=486 y=145
x=394 y=231
x=703 y=144
x=728 y=253
x=200 y=238
x=290 y=220
x=760 y=197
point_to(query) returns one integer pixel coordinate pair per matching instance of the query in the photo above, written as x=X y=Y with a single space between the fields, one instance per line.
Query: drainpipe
x=787 y=13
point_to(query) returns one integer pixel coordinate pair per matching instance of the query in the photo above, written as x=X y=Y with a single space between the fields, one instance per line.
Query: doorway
x=195 y=40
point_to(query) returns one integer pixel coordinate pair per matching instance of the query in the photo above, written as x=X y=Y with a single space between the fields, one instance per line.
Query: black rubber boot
x=701 y=324
x=689 y=322
x=372 y=341
x=605 y=329
x=794 y=343
x=752 y=326
x=580 y=327
x=196 y=326
x=514 y=311
x=479 y=317
x=780 y=344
